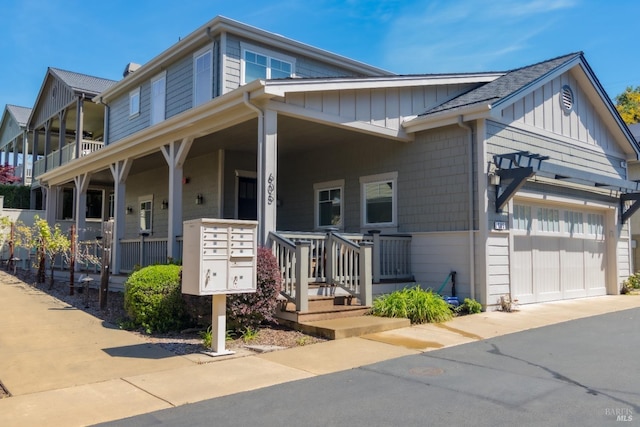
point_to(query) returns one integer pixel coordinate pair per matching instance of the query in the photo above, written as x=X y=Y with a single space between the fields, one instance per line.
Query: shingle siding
x=432 y=180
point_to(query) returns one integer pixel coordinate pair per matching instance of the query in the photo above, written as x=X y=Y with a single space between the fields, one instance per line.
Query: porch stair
x=335 y=317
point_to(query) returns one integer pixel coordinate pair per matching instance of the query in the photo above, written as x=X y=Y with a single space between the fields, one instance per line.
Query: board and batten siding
x=49 y=106
x=10 y=131
x=381 y=107
x=431 y=185
x=435 y=255
x=542 y=109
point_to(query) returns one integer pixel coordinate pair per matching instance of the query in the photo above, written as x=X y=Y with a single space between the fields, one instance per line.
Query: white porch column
x=51 y=203
x=175 y=153
x=82 y=183
x=62 y=136
x=267 y=175
x=79 y=126
x=119 y=171
x=25 y=157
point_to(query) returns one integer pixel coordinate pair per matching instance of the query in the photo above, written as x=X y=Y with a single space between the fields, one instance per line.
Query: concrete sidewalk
x=65 y=368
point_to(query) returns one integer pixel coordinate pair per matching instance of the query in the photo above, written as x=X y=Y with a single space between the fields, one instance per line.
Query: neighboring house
x=67 y=125
x=14 y=139
x=512 y=179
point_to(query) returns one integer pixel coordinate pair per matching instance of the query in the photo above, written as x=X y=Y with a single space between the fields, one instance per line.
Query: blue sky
x=403 y=36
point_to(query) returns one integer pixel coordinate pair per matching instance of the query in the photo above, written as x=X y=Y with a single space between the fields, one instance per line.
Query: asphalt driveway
x=583 y=372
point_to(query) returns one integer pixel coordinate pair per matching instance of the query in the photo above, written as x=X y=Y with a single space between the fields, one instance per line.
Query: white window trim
x=323 y=186
x=134 y=94
x=161 y=76
x=196 y=55
x=384 y=177
x=144 y=199
x=269 y=54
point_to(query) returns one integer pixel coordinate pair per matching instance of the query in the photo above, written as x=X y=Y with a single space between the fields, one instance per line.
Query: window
x=134 y=102
x=521 y=217
x=379 y=195
x=549 y=220
x=158 y=98
x=595 y=224
x=262 y=64
x=202 y=77
x=146 y=213
x=94 y=204
x=573 y=222
x=328 y=204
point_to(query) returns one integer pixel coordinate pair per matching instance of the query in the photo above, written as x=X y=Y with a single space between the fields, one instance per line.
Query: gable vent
x=566 y=98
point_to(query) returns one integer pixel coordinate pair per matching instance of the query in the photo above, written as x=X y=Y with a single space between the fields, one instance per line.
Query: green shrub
x=469 y=306
x=153 y=298
x=632 y=282
x=416 y=304
x=248 y=310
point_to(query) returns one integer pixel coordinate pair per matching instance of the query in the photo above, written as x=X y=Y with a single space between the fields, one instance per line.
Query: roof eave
x=447 y=117
x=216 y=26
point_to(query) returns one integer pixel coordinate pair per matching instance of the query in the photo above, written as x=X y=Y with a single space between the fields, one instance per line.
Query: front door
x=247 y=198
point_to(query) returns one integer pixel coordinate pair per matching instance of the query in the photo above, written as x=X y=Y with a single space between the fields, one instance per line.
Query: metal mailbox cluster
x=219 y=256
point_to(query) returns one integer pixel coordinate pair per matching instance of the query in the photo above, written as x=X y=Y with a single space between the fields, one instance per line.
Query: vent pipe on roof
x=130 y=68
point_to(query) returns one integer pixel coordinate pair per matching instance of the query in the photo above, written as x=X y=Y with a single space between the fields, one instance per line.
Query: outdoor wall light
x=494 y=179
x=199 y=199
x=129 y=210
x=165 y=204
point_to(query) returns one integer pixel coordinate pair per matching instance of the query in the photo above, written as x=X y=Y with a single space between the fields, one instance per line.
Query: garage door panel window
x=573 y=222
x=522 y=217
x=595 y=224
x=549 y=220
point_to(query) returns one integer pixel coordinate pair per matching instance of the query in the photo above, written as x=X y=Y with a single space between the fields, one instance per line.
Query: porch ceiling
x=294 y=136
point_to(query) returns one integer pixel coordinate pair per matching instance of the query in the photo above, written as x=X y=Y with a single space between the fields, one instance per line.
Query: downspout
x=260 y=112
x=472 y=264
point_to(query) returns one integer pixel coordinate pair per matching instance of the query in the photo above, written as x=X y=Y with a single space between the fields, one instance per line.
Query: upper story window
x=134 y=102
x=202 y=76
x=158 y=98
x=328 y=201
x=379 y=199
x=263 y=64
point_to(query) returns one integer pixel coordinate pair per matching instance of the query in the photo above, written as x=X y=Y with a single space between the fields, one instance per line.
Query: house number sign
x=270 y=189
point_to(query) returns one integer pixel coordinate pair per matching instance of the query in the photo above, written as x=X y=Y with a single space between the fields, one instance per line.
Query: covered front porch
x=250 y=156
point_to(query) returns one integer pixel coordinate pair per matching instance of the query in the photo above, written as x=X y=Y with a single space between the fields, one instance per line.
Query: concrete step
x=351 y=327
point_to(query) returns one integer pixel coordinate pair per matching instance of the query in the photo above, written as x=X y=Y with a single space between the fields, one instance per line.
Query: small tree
x=7 y=175
x=50 y=242
x=628 y=105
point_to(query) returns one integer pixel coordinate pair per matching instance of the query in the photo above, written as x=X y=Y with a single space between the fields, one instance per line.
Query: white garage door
x=557 y=253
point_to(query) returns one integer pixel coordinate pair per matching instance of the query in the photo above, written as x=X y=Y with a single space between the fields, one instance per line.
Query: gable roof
x=20 y=114
x=84 y=83
x=510 y=83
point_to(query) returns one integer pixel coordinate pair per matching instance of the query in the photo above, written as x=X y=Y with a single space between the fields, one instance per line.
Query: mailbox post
x=219 y=258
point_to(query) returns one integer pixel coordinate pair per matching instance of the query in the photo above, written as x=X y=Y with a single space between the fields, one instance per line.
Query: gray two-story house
x=515 y=180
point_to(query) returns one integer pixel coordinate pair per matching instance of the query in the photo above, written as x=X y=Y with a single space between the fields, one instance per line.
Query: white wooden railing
x=391 y=256
x=54 y=159
x=144 y=251
x=342 y=261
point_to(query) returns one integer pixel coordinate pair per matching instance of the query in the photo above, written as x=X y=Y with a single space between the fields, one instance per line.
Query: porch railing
x=336 y=259
x=144 y=251
x=57 y=158
x=391 y=256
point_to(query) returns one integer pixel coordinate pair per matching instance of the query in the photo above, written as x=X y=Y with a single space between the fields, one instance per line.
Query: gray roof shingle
x=20 y=114
x=82 y=82
x=501 y=87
